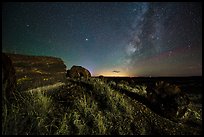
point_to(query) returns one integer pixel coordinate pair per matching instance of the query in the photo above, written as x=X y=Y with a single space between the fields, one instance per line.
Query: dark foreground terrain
x=95 y=106
x=190 y=85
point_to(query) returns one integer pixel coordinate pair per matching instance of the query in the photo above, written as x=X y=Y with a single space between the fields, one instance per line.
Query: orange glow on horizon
x=113 y=74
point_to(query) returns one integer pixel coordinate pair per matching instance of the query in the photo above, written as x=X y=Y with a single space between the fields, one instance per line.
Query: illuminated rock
x=78 y=72
x=37 y=71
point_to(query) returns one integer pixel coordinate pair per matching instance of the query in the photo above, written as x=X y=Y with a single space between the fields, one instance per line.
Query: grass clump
x=29 y=114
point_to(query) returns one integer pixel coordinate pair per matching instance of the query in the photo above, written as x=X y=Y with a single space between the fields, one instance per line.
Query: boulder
x=78 y=72
x=8 y=79
x=166 y=89
x=168 y=99
x=101 y=77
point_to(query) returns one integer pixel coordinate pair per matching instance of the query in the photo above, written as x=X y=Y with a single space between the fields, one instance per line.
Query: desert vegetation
x=87 y=107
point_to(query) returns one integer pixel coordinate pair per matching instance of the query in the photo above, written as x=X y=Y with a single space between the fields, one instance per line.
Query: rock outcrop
x=8 y=79
x=78 y=72
x=36 y=71
x=168 y=99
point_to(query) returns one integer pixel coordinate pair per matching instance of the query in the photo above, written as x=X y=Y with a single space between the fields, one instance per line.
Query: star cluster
x=110 y=39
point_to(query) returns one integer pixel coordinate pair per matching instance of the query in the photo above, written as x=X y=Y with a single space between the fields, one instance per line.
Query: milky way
x=170 y=31
x=110 y=39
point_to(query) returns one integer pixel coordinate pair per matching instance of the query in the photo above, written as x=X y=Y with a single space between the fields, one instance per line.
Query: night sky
x=110 y=39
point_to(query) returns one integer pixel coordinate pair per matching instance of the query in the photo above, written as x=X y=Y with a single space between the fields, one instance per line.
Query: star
x=134 y=10
x=27 y=25
x=170 y=52
x=86 y=39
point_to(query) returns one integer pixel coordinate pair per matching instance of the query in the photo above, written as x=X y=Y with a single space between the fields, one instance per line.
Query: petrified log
x=36 y=71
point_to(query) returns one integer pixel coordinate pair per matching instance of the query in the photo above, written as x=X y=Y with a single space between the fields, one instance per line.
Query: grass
x=21 y=80
x=82 y=107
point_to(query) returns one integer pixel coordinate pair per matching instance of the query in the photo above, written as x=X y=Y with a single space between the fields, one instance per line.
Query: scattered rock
x=78 y=72
x=168 y=99
x=164 y=88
